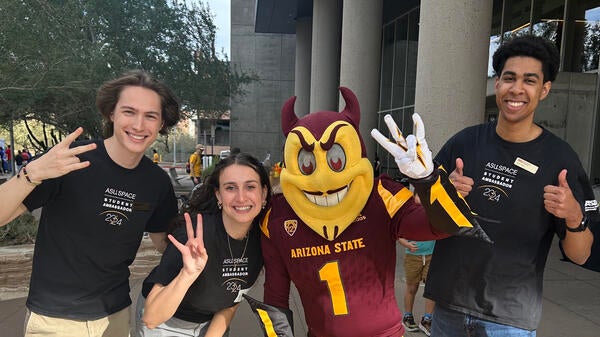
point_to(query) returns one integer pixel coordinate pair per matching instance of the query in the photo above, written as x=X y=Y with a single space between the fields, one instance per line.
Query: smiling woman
x=189 y=293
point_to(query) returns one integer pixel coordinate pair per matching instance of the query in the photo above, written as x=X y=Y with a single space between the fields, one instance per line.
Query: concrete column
x=360 y=61
x=454 y=38
x=302 y=72
x=324 y=74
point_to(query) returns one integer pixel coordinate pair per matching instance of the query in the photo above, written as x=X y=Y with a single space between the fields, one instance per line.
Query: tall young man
x=96 y=205
x=527 y=185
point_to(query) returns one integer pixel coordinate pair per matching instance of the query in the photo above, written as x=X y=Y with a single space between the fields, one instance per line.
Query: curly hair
x=531 y=46
x=109 y=93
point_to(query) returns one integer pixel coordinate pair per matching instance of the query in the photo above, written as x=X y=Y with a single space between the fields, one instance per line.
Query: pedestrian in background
x=195 y=161
x=25 y=156
x=97 y=203
x=155 y=156
x=417 y=257
x=8 y=155
x=19 y=160
x=3 y=166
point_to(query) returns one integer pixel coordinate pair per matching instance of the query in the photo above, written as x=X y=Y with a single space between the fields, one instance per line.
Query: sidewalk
x=571 y=298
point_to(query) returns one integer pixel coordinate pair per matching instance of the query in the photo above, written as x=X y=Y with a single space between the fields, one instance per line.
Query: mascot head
x=327 y=177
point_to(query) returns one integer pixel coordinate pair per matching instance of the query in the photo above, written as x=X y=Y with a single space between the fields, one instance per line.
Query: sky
x=221 y=10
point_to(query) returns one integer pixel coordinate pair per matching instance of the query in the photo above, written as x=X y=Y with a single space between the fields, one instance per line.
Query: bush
x=21 y=230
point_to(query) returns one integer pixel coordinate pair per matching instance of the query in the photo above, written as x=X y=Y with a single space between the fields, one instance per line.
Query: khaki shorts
x=115 y=325
x=416 y=268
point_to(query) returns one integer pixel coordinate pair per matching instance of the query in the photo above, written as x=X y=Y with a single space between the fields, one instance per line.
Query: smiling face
x=241 y=194
x=137 y=120
x=519 y=89
x=326 y=181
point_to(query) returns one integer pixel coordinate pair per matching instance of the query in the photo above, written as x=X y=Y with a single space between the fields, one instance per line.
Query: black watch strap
x=582 y=225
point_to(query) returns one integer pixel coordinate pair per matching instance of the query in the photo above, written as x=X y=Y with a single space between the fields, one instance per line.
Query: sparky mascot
x=333 y=231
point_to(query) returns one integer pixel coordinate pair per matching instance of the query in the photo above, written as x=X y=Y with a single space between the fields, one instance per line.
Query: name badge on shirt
x=142 y=206
x=527 y=166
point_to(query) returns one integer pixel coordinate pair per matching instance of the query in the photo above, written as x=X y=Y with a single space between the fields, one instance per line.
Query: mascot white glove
x=412 y=154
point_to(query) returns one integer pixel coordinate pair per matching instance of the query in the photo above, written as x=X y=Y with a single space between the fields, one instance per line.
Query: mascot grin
x=327 y=177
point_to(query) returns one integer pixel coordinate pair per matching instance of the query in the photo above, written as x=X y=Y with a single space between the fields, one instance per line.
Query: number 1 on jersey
x=330 y=273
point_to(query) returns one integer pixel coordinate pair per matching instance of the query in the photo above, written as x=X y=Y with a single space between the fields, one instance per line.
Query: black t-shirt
x=90 y=228
x=502 y=282
x=223 y=280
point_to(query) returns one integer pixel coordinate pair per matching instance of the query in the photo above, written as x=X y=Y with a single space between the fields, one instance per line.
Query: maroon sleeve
x=277 y=279
x=411 y=223
x=408 y=218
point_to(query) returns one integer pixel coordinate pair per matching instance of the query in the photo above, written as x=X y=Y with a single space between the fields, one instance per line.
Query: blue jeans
x=450 y=323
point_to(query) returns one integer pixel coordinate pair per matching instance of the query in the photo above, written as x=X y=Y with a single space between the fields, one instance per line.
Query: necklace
x=231 y=251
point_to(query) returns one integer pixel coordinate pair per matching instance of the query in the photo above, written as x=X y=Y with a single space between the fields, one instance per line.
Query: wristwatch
x=582 y=225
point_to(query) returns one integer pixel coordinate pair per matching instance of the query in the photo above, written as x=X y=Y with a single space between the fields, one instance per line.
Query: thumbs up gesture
x=560 y=202
x=462 y=183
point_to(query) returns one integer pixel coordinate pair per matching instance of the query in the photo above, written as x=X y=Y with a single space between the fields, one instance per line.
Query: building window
x=398 y=77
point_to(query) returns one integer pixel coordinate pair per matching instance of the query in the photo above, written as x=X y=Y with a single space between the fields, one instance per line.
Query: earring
x=264 y=204
x=219 y=205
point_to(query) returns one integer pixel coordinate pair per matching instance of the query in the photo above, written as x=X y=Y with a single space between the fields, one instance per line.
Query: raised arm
x=163 y=301
x=58 y=161
x=446 y=209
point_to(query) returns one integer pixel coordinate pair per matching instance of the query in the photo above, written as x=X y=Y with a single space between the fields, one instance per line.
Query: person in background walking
x=25 y=156
x=195 y=161
x=417 y=257
x=155 y=156
x=8 y=156
x=19 y=160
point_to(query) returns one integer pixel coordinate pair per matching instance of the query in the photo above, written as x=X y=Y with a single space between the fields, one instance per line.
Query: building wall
x=255 y=118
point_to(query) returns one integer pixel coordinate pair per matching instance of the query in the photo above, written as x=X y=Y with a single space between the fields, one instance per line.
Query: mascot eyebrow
x=329 y=143
x=325 y=146
x=305 y=145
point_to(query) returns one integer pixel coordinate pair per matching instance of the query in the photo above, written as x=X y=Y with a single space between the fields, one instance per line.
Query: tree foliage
x=54 y=54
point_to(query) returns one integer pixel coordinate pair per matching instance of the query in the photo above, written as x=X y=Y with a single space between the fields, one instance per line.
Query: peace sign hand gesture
x=193 y=253
x=60 y=159
x=411 y=154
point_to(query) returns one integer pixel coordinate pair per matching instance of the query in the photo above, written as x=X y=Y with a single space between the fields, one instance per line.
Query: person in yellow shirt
x=155 y=156
x=196 y=165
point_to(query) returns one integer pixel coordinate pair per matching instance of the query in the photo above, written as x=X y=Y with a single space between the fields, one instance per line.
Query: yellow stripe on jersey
x=439 y=193
x=267 y=323
x=264 y=224
x=393 y=202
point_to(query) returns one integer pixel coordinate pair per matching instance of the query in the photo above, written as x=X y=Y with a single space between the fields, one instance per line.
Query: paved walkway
x=571 y=300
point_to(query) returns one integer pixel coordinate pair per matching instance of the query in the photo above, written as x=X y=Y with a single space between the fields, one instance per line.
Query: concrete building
x=404 y=56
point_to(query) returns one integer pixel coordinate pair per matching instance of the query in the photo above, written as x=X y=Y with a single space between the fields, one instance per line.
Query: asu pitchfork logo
x=290 y=226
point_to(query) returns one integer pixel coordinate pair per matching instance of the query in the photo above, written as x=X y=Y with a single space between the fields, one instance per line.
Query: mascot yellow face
x=327 y=177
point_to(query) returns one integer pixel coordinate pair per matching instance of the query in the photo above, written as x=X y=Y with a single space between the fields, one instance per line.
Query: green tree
x=55 y=53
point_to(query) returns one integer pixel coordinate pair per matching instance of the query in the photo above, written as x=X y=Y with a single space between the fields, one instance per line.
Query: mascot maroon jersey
x=346 y=285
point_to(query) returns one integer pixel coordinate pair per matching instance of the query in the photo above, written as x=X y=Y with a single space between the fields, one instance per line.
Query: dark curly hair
x=532 y=46
x=109 y=93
